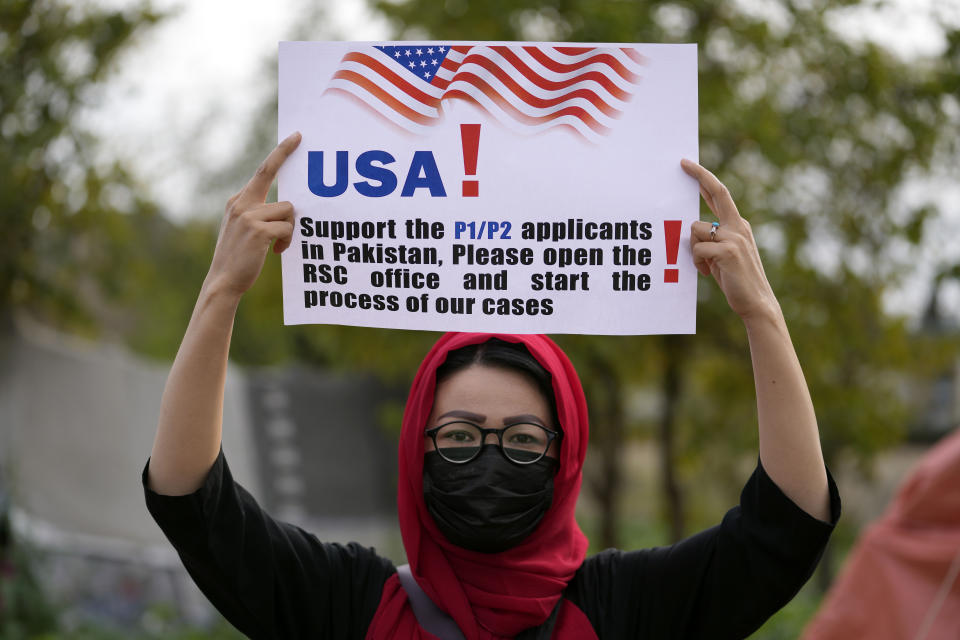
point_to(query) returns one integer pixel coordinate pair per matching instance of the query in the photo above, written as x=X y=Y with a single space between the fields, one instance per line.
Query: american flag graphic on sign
x=527 y=88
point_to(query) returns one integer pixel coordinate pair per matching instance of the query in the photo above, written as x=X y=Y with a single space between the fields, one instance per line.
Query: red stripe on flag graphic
x=527 y=88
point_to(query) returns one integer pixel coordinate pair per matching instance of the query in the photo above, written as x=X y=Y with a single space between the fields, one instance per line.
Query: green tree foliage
x=814 y=134
x=72 y=219
x=24 y=609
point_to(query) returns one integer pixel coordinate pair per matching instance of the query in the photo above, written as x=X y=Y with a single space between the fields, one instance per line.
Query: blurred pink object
x=902 y=580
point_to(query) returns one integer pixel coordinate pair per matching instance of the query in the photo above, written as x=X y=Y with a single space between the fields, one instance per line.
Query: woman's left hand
x=731 y=256
x=789 y=438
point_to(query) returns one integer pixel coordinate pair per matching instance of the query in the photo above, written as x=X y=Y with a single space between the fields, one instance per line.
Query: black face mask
x=488 y=504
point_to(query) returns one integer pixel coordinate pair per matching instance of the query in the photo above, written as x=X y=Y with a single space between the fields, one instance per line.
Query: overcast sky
x=185 y=95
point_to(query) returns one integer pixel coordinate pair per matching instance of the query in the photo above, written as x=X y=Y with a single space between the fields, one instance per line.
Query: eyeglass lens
x=461 y=441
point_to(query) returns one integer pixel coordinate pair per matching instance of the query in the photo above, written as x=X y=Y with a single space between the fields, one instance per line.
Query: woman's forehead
x=491 y=393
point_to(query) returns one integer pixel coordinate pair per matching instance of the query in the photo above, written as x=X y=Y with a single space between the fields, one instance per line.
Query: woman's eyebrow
x=466 y=415
x=523 y=417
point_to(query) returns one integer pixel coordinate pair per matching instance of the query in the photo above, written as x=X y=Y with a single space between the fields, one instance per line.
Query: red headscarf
x=490 y=596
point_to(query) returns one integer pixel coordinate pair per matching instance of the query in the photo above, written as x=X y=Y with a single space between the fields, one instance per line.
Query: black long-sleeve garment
x=273 y=580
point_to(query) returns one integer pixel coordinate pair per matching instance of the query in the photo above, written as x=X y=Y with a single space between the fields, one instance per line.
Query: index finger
x=720 y=201
x=259 y=185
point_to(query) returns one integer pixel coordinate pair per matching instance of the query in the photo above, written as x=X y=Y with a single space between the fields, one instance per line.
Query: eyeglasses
x=522 y=443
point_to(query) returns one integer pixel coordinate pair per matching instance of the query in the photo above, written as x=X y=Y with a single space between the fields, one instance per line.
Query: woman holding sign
x=493 y=440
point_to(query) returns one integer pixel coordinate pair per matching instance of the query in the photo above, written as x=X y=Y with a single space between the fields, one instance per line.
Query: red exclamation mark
x=470 y=138
x=671 y=236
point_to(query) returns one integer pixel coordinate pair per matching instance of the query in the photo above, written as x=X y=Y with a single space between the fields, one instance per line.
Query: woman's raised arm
x=188 y=434
x=789 y=438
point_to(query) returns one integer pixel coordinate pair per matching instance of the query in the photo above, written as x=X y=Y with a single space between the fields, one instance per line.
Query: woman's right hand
x=191 y=413
x=250 y=226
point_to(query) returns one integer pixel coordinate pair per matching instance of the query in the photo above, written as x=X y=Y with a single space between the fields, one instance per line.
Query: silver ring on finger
x=713 y=230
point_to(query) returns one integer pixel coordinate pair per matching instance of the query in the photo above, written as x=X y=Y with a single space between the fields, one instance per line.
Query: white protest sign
x=511 y=187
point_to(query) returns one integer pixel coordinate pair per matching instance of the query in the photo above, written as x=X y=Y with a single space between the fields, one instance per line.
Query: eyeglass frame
x=551 y=436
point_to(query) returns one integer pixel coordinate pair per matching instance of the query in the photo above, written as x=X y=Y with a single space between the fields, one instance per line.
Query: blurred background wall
x=78 y=422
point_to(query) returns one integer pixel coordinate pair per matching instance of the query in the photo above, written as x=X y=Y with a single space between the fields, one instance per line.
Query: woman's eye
x=458 y=436
x=527 y=436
